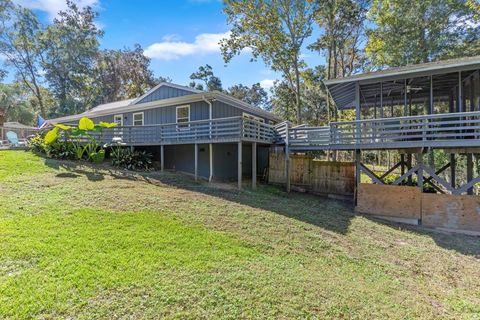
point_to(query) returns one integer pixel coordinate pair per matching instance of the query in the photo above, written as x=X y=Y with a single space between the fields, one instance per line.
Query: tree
x=254 y=95
x=205 y=74
x=343 y=24
x=274 y=30
x=123 y=74
x=19 y=44
x=71 y=48
x=14 y=105
x=409 y=32
x=315 y=96
x=283 y=100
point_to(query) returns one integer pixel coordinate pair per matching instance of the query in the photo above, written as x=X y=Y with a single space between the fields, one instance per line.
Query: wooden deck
x=234 y=129
x=452 y=130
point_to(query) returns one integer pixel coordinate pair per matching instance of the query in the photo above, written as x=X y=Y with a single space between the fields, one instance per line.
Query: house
x=208 y=134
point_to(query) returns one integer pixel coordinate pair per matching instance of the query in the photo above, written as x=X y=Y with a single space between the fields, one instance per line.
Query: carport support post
x=162 y=158
x=239 y=164
x=196 y=161
x=254 y=165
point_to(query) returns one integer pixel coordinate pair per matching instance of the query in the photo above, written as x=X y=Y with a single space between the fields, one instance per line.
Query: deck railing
x=203 y=131
x=439 y=130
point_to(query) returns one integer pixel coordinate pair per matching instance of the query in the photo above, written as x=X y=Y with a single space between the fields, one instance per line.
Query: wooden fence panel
x=321 y=177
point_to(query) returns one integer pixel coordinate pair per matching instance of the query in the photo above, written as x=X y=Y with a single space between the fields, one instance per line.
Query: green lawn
x=82 y=243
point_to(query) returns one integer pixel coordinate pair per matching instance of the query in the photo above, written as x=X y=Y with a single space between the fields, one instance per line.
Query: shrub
x=60 y=150
x=37 y=144
x=131 y=159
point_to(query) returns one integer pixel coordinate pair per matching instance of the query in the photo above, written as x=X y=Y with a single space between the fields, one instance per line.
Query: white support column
x=196 y=161
x=254 y=165
x=211 y=162
x=239 y=152
x=162 y=158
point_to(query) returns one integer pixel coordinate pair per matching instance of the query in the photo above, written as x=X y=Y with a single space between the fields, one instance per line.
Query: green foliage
x=73 y=139
x=205 y=74
x=37 y=144
x=419 y=31
x=254 y=95
x=130 y=159
x=14 y=105
x=274 y=31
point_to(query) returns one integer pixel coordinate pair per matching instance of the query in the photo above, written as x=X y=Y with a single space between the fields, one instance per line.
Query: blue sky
x=179 y=36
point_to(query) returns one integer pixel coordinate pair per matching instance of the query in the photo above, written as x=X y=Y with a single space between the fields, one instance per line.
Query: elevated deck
x=452 y=130
x=234 y=129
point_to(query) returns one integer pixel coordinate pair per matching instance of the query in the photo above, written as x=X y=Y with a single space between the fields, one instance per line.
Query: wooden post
x=162 y=158
x=420 y=171
x=460 y=93
x=357 y=111
x=358 y=172
x=381 y=100
x=287 y=160
x=409 y=166
x=430 y=111
x=405 y=107
x=452 y=170
x=196 y=161
x=470 y=171
x=210 y=158
x=239 y=165
x=254 y=165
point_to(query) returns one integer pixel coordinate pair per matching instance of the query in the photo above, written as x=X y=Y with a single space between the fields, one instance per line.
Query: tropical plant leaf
x=86 y=124
x=63 y=126
x=51 y=136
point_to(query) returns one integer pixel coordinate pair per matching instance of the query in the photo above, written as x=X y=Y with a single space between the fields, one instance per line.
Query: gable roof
x=164 y=84
x=131 y=106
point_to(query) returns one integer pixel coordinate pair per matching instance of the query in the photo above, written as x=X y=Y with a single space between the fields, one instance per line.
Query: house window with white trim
x=183 y=116
x=138 y=119
x=118 y=119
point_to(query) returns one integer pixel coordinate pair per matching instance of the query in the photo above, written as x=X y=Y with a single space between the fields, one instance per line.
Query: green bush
x=131 y=159
x=61 y=150
x=37 y=144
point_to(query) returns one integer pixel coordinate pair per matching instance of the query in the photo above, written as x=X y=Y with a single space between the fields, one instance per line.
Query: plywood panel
x=451 y=211
x=388 y=200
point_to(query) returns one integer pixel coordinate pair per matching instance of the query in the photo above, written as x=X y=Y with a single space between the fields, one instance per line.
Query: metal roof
x=343 y=90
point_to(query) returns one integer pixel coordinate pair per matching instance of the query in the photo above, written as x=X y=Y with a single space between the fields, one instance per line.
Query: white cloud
x=52 y=7
x=172 y=48
x=267 y=83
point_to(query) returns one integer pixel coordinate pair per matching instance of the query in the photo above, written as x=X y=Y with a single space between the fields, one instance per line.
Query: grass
x=77 y=242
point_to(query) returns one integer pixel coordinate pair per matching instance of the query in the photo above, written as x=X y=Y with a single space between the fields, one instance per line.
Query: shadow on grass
x=329 y=214
x=465 y=244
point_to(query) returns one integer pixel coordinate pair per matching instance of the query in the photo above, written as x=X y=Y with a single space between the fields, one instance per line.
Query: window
x=252 y=117
x=118 y=119
x=138 y=119
x=183 y=116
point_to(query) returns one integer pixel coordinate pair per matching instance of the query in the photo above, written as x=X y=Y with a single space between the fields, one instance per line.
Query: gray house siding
x=165 y=92
x=182 y=158
x=198 y=111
